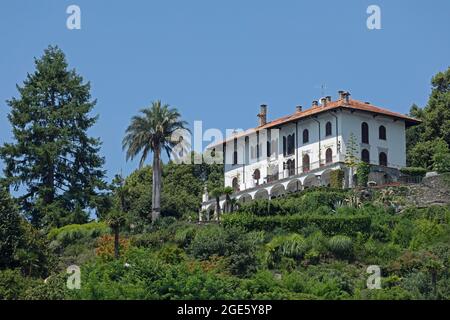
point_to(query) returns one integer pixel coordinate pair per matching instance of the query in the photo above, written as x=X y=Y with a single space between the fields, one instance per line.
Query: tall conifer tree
x=52 y=158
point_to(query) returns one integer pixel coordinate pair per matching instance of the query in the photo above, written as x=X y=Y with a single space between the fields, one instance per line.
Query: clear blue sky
x=217 y=61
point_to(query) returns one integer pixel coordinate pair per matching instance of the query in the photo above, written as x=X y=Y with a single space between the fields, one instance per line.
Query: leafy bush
x=341 y=246
x=426 y=232
x=337 y=178
x=12 y=284
x=305 y=202
x=290 y=246
x=105 y=246
x=184 y=236
x=362 y=173
x=232 y=243
x=73 y=232
x=209 y=240
x=329 y=225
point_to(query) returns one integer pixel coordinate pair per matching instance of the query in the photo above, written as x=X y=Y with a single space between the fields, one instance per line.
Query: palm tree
x=151 y=132
x=217 y=193
x=116 y=220
x=228 y=191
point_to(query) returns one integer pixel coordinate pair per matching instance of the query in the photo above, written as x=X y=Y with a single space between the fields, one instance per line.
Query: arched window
x=235 y=184
x=328 y=156
x=291 y=144
x=382 y=159
x=365 y=156
x=364 y=132
x=290 y=165
x=305 y=136
x=382 y=132
x=256 y=176
x=305 y=163
x=328 y=129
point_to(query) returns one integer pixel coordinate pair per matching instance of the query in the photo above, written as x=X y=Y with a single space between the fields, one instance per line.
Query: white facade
x=347 y=123
x=287 y=168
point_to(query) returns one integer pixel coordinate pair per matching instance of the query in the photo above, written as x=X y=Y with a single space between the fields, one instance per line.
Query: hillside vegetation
x=316 y=244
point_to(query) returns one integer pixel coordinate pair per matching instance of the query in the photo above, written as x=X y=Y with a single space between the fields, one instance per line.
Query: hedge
x=73 y=232
x=414 y=171
x=329 y=225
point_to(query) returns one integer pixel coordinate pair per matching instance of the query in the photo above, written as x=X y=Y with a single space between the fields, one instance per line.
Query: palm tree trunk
x=217 y=213
x=156 y=185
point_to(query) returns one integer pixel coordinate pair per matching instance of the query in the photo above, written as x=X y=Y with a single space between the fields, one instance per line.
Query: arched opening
x=256 y=176
x=365 y=156
x=305 y=164
x=382 y=132
x=210 y=212
x=328 y=156
x=328 y=129
x=325 y=178
x=245 y=198
x=305 y=136
x=382 y=159
x=262 y=194
x=277 y=191
x=311 y=181
x=235 y=184
x=294 y=186
x=364 y=132
x=289 y=167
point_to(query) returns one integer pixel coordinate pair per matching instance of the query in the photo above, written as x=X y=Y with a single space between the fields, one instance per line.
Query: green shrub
x=414 y=171
x=341 y=246
x=209 y=240
x=362 y=173
x=403 y=232
x=329 y=225
x=73 y=232
x=12 y=284
x=232 y=243
x=426 y=232
x=184 y=236
x=305 y=202
x=337 y=178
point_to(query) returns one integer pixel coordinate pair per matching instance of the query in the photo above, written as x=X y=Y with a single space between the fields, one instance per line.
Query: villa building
x=300 y=150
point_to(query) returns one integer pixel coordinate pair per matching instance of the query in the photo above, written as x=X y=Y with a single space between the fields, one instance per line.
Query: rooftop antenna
x=323 y=88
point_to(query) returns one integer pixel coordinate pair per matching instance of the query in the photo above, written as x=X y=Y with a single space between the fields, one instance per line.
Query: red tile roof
x=332 y=105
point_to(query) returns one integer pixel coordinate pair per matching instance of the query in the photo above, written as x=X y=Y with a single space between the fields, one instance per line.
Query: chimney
x=323 y=102
x=315 y=103
x=341 y=94
x=346 y=96
x=298 y=108
x=262 y=115
x=328 y=98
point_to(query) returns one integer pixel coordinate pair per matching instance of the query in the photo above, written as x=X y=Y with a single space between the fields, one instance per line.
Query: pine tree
x=51 y=155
